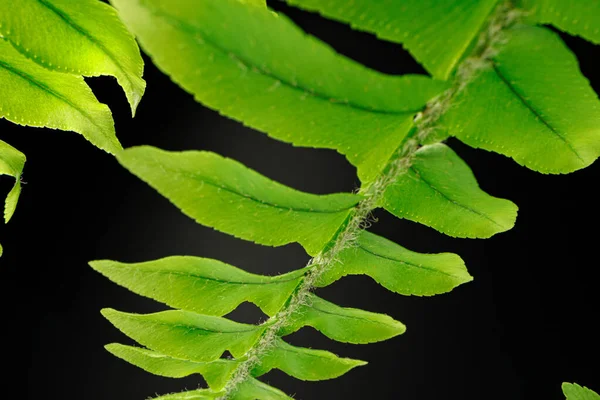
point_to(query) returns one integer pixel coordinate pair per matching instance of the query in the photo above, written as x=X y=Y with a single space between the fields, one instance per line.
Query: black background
x=525 y=324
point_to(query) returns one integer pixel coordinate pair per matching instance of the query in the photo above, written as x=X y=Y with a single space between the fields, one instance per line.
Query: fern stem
x=426 y=123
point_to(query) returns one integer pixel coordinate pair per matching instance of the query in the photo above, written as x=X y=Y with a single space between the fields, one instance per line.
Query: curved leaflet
x=35 y=96
x=398 y=269
x=193 y=284
x=224 y=194
x=439 y=190
x=516 y=106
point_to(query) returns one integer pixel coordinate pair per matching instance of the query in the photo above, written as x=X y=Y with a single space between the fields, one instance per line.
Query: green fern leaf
x=398 y=269
x=36 y=96
x=224 y=194
x=575 y=392
x=314 y=98
x=577 y=17
x=12 y=162
x=186 y=335
x=516 y=105
x=440 y=191
x=216 y=373
x=437 y=33
x=201 y=285
x=347 y=325
x=305 y=364
x=507 y=94
x=83 y=37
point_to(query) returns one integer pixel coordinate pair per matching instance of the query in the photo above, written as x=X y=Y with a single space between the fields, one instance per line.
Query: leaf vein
x=32 y=81
x=445 y=196
x=62 y=15
x=408 y=263
x=177 y=23
x=536 y=113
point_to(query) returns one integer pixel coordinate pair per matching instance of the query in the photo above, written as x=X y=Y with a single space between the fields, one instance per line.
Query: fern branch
x=490 y=38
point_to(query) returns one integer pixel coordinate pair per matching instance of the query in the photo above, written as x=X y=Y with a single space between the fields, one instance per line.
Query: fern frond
x=575 y=392
x=254 y=65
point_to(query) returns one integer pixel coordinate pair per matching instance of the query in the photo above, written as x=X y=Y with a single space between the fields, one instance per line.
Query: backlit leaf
x=224 y=194
x=216 y=373
x=398 y=269
x=12 y=162
x=35 y=96
x=256 y=66
x=532 y=104
x=440 y=191
x=575 y=392
x=201 y=285
x=348 y=325
x=83 y=37
x=305 y=364
x=186 y=335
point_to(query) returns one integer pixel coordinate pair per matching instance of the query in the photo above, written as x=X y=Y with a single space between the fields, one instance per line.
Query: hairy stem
x=426 y=123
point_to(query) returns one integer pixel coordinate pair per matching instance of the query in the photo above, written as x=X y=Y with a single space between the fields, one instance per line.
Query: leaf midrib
x=352 y=316
x=536 y=113
x=190 y=29
x=62 y=15
x=261 y=202
x=194 y=328
x=360 y=246
x=32 y=81
x=436 y=190
x=302 y=352
x=200 y=277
